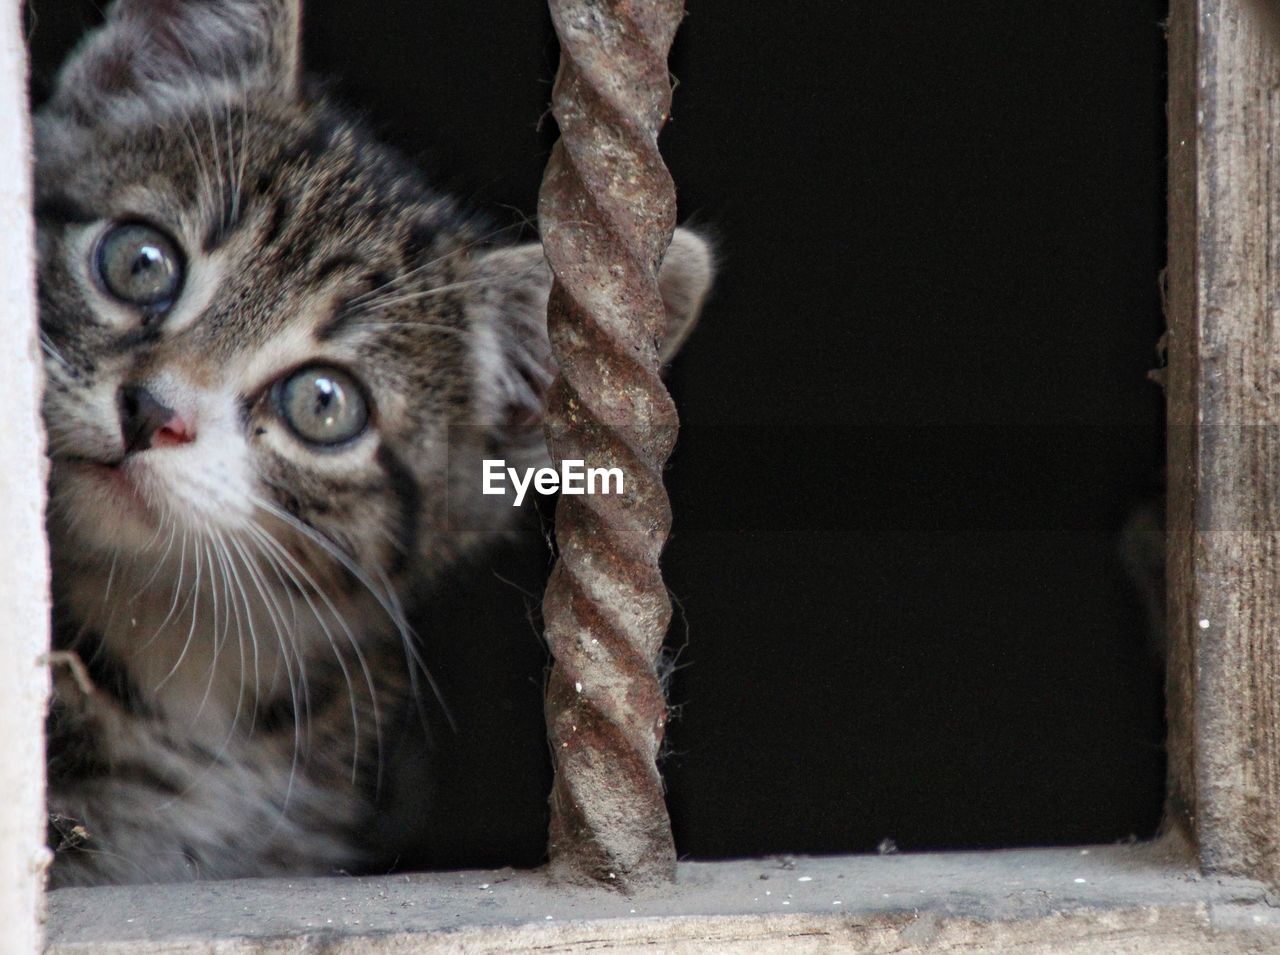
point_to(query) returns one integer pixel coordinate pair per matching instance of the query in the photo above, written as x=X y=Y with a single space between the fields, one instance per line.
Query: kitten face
x=258 y=321
x=300 y=261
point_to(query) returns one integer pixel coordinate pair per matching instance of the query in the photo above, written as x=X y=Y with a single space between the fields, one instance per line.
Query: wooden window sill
x=1140 y=898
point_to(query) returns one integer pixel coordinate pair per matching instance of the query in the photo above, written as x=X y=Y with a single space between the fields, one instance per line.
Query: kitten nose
x=146 y=422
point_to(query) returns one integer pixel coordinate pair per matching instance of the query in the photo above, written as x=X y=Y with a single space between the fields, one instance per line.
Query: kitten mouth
x=111 y=477
x=81 y=461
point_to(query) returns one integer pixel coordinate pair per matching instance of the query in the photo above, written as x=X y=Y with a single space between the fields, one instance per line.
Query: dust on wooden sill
x=1145 y=895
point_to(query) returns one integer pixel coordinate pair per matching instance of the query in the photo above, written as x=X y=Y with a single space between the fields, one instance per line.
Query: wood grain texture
x=1224 y=440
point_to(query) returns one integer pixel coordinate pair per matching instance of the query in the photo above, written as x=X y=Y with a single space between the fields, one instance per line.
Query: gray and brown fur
x=236 y=662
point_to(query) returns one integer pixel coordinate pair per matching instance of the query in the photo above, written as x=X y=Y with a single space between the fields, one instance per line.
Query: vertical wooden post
x=1224 y=432
x=24 y=583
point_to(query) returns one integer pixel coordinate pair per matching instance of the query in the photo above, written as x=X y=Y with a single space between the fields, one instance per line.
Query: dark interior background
x=916 y=414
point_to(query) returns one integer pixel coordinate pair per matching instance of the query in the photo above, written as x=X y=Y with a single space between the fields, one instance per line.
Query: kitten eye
x=139 y=265
x=322 y=405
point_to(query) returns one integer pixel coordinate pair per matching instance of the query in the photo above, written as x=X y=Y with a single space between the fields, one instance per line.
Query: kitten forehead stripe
x=63 y=210
x=335 y=263
x=228 y=221
x=405 y=488
x=276 y=222
x=346 y=309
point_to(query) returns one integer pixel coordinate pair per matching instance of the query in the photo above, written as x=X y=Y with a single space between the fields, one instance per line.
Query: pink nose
x=146 y=422
x=174 y=431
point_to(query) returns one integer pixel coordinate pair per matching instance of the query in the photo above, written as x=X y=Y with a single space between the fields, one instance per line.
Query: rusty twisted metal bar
x=607 y=212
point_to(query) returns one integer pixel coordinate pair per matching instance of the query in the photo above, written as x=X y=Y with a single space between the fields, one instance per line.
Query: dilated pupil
x=149 y=272
x=139 y=266
x=322 y=405
x=148 y=260
x=327 y=394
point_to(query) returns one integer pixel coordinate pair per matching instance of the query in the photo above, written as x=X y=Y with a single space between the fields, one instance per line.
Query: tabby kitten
x=275 y=359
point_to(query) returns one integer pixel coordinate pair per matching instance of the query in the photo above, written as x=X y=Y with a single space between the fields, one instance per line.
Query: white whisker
x=296 y=570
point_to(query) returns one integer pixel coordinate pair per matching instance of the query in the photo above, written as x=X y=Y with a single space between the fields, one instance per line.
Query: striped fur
x=236 y=670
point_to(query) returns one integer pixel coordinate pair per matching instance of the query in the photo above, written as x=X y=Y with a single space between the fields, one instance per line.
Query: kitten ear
x=685 y=280
x=514 y=354
x=155 y=52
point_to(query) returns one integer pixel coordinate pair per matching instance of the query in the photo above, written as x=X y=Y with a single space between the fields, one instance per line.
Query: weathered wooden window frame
x=1223 y=815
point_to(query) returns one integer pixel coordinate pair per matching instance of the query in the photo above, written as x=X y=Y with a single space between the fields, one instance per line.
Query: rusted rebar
x=607 y=213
